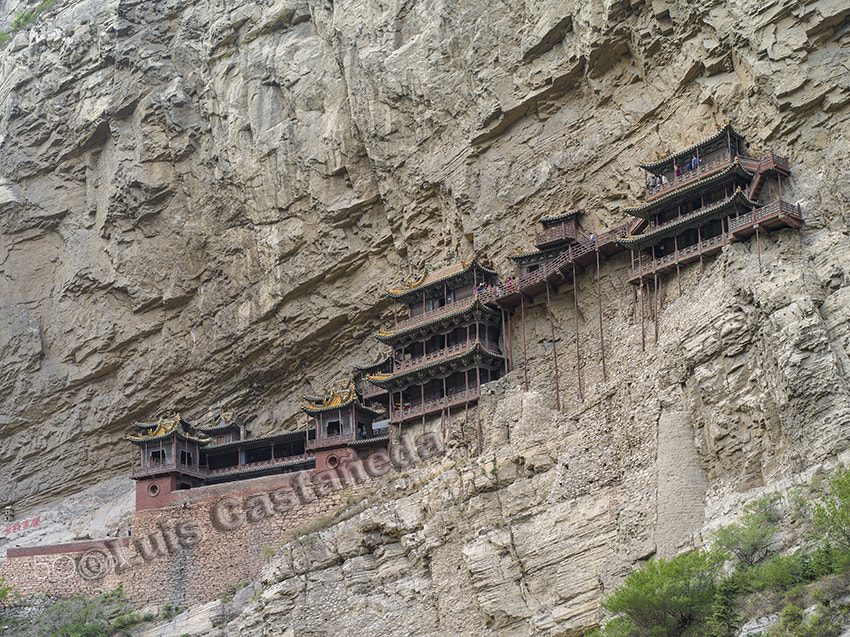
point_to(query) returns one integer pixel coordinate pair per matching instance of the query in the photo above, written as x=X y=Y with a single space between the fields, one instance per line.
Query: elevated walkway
x=776 y=215
x=555 y=271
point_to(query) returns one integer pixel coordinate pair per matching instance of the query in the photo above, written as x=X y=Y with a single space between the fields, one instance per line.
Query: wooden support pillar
x=642 y=330
x=578 y=350
x=510 y=341
x=758 y=246
x=505 y=342
x=524 y=343
x=554 y=349
x=655 y=306
x=395 y=313
x=478 y=418
x=599 y=303
x=699 y=248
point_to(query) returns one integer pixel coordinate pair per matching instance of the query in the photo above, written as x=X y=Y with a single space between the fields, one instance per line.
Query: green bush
x=779 y=573
x=749 y=540
x=821 y=623
x=831 y=515
x=666 y=597
x=106 y=615
x=7 y=593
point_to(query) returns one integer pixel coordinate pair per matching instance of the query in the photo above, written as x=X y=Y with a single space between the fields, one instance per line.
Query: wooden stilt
x=642 y=329
x=510 y=341
x=554 y=349
x=655 y=306
x=478 y=416
x=699 y=247
x=578 y=350
x=758 y=247
x=524 y=344
x=599 y=302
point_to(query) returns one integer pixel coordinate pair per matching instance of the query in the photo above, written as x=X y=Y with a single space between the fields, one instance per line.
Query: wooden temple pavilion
x=702 y=198
x=446 y=349
x=174 y=455
x=343 y=424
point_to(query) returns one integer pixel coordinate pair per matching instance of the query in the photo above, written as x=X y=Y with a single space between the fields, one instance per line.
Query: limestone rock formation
x=201 y=203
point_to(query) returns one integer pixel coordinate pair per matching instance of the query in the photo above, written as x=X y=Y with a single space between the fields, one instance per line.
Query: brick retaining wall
x=197 y=548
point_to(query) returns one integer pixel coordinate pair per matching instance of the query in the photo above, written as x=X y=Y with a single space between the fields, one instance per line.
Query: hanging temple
x=454 y=338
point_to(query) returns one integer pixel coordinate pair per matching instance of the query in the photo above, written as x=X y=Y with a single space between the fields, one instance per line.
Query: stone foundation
x=198 y=548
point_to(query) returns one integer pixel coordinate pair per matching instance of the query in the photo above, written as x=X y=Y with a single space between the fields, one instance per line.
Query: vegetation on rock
x=692 y=596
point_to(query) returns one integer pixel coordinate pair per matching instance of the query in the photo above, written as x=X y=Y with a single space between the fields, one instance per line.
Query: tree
x=831 y=515
x=749 y=540
x=667 y=596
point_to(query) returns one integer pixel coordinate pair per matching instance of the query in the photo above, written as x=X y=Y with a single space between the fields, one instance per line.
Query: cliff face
x=201 y=203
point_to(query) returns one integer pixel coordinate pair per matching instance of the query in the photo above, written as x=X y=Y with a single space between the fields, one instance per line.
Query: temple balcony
x=554 y=271
x=558 y=234
x=430 y=315
x=440 y=354
x=368 y=390
x=778 y=214
x=759 y=166
x=340 y=439
x=167 y=466
x=260 y=465
x=418 y=409
x=705 y=169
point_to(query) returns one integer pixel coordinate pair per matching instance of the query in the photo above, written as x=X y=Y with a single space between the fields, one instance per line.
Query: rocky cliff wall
x=203 y=201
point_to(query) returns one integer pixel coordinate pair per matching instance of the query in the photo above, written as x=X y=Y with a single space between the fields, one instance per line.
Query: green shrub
x=831 y=514
x=7 y=593
x=724 y=621
x=749 y=540
x=666 y=597
x=780 y=573
x=821 y=623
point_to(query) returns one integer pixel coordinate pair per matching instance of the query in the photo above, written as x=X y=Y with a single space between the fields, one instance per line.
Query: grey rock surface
x=201 y=203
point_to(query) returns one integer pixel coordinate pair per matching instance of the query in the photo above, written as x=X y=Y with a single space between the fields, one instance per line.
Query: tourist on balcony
x=664 y=180
x=678 y=170
x=694 y=162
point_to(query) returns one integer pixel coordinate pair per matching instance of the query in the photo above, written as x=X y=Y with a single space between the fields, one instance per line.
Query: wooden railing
x=167 y=465
x=327 y=441
x=417 y=409
x=765 y=162
x=702 y=171
x=774 y=209
x=256 y=465
x=368 y=390
x=652 y=265
x=552 y=266
x=440 y=354
x=558 y=233
x=448 y=308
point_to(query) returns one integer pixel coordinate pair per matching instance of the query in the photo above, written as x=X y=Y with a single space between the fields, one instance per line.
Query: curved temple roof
x=476 y=349
x=654 y=166
x=343 y=393
x=165 y=427
x=635 y=240
x=644 y=210
x=464 y=306
x=445 y=273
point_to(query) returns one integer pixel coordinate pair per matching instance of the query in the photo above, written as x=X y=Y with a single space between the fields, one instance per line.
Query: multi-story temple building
x=703 y=197
x=344 y=427
x=447 y=347
x=558 y=234
x=174 y=455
